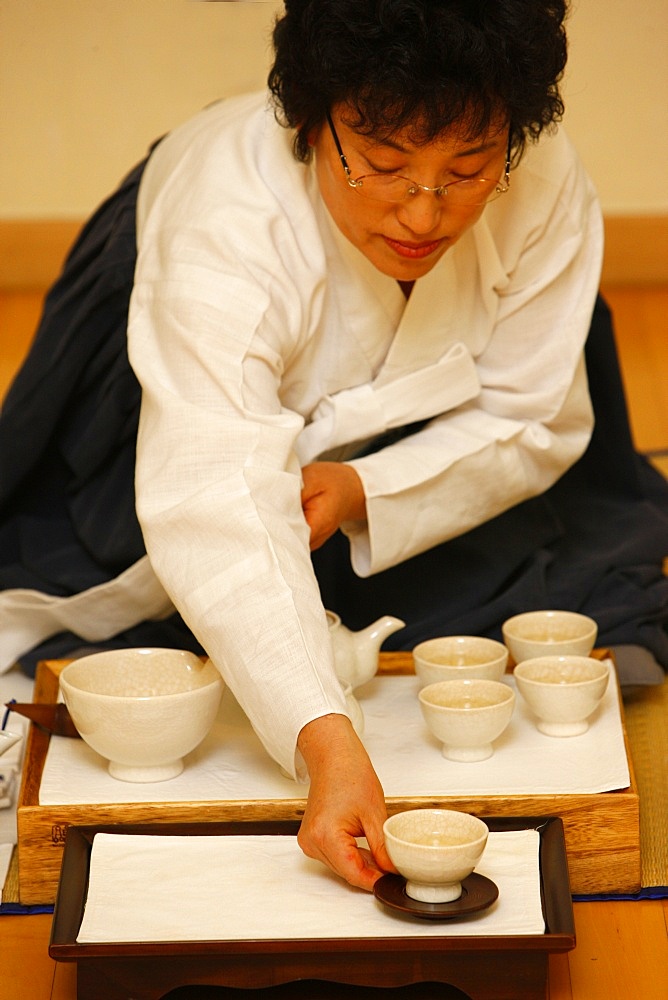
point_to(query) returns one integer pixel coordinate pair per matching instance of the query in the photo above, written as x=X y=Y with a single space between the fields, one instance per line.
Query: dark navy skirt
x=594 y=542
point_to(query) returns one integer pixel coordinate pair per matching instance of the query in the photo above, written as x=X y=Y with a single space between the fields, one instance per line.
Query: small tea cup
x=459 y=657
x=549 y=633
x=562 y=691
x=435 y=850
x=467 y=716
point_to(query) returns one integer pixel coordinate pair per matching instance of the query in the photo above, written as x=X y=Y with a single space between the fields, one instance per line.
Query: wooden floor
x=622 y=949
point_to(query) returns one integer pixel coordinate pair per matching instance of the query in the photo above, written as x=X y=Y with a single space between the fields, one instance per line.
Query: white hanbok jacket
x=263 y=340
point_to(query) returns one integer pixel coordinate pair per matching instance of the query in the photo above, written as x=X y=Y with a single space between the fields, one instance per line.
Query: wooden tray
x=602 y=830
x=500 y=967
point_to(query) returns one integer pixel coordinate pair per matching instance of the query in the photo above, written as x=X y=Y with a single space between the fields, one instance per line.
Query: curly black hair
x=421 y=65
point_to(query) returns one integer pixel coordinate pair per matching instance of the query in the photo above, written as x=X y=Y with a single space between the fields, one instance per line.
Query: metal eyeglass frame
x=356 y=183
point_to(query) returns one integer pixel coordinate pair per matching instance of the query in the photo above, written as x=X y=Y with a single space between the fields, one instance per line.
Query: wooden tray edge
x=73 y=884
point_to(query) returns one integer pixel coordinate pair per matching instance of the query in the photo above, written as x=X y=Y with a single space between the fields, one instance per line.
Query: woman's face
x=403 y=239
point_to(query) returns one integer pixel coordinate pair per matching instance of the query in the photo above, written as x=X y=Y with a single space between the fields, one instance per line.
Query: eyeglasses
x=394 y=187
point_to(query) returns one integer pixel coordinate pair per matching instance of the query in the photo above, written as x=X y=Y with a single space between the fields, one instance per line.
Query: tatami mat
x=646 y=711
x=10 y=891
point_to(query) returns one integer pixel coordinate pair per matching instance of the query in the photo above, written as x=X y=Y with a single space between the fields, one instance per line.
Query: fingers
x=321 y=516
x=321 y=520
x=355 y=864
x=378 y=851
x=332 y=492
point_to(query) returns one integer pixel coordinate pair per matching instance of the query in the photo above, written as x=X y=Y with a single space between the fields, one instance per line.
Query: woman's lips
x=413 y=251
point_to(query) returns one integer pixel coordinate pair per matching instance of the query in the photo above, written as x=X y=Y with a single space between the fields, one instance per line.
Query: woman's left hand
x=332 y=492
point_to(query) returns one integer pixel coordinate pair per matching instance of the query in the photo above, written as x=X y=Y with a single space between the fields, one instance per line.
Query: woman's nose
x=421 y=212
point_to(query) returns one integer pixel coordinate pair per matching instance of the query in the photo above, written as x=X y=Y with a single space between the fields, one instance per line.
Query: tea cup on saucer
x=435 y=850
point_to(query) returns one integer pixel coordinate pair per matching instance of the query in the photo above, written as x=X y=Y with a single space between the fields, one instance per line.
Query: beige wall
x=616 y=92
x=85 y=85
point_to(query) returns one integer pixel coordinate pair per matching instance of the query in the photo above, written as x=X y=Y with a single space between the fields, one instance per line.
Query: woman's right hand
x=345 y=802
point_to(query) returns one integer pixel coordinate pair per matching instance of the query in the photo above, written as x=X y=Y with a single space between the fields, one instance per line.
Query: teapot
x=356 y=653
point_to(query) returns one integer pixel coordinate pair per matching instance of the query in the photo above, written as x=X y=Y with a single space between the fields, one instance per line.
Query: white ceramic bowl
x=549 y=633
x=459 y=657
x=8 y=740
x=435 y=849
x=562 y=691
x=467 y=716
x=142 y=709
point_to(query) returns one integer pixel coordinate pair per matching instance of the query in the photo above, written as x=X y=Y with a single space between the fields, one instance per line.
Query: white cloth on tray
x=185 y=888
x=231 y=763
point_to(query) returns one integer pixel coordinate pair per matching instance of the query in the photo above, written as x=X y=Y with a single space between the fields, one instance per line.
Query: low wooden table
x=601 y=830
x=485 y=967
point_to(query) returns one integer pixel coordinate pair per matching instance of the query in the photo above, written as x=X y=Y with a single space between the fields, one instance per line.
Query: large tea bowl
x=562 y=691
x=549 y=633
x=459 y=657
x=142 y=709
x=435 y=850
x=467 y=716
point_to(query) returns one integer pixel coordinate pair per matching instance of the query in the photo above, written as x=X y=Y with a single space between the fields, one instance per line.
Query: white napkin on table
x=180 y=888
x=232 y=765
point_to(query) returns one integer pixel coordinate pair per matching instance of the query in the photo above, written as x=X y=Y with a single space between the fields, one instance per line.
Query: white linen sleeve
x=531 y=420
x=218 y=484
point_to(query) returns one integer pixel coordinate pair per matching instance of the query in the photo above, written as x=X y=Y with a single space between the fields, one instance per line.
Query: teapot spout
x=378 y=631
x=367 y=644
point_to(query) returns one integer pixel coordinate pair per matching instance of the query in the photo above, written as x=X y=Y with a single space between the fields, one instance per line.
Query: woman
x=370 y=320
